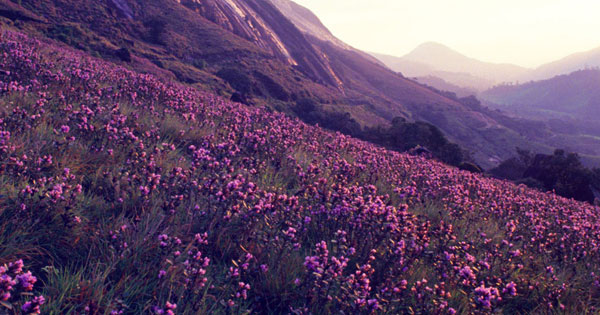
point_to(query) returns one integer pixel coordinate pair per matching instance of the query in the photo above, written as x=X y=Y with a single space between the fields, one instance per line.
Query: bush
x=305 y=106
x=237 y=79
x=561 y=172
x=471 y=167
x=67 y=34
x=157 y=27
x=123 y=54
x=200 y=64
x=404 y=136
x=273 y=88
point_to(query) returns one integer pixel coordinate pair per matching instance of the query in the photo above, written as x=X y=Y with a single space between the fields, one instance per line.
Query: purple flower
x=511 y=289
x=487 y=296
x=33 y=306
x=26 y=281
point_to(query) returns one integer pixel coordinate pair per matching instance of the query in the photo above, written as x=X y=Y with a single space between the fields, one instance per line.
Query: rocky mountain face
x=262 y=24
x=307 y=22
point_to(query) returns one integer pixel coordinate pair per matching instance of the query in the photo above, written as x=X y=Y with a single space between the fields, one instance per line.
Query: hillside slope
x=442 y=85
x=124 y=193
x=249 y=50
x=569 y=104
x=575 y=94
x=577 y=61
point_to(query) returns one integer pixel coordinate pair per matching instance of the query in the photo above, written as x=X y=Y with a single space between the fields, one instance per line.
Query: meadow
x=123 y=193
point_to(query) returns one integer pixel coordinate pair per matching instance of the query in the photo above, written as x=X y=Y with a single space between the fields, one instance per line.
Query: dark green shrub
x=561 y=172
x=200 y=64
x=273 y=88
x=157 y=27
x=240 y=81
x=305 y=106
x=67 y=34
x=124 y=54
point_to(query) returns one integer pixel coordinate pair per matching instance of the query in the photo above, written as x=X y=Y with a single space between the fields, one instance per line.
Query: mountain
x=445 y=59
x=127 y=193
x=192 y=41
x=569 y=104
x=310 y=24
x=578 y=61
x=434 y=59
x=576 y=95
x=307 y=21
x=272 y=54
x=415 y=69
x=469 y=124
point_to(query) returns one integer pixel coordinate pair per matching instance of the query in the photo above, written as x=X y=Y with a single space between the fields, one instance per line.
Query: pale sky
x=524 y=32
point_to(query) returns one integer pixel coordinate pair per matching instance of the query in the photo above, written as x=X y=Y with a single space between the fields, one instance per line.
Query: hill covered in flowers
x=124 y=194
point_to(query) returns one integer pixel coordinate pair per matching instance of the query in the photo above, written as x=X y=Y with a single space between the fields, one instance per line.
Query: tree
x=561 y=172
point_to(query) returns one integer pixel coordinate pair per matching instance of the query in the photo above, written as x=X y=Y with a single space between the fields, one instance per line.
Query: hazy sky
x=523 y=32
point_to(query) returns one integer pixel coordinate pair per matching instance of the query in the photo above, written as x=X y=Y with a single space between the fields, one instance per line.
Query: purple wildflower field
x=121 y=193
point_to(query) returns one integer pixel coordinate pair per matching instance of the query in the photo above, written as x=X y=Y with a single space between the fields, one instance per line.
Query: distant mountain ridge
x=577 y=61
x=434 y=59
x=570 y=104
x=576 y=94
x=443 y=58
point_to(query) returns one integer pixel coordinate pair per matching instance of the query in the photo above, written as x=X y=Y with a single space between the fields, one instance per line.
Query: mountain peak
x=307 y=21
x=432 y=46
x=435 y=51
x=444 y=60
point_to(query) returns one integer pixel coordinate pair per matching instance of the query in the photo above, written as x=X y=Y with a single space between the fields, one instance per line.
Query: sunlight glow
x=526 y=33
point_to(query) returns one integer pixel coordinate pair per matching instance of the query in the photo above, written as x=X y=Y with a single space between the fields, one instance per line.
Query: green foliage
x=561 y=172
x=400 y=136
x=157 y=28
x=239 y=80
x=305 y=107
x=272 y=88
x=404 y=135
x=471 y=167
x=200 y=64
x=68 y=34
x=313 y=113
x=124 y=54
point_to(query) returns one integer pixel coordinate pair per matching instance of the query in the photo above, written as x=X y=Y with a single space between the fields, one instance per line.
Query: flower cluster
x=15 y=283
